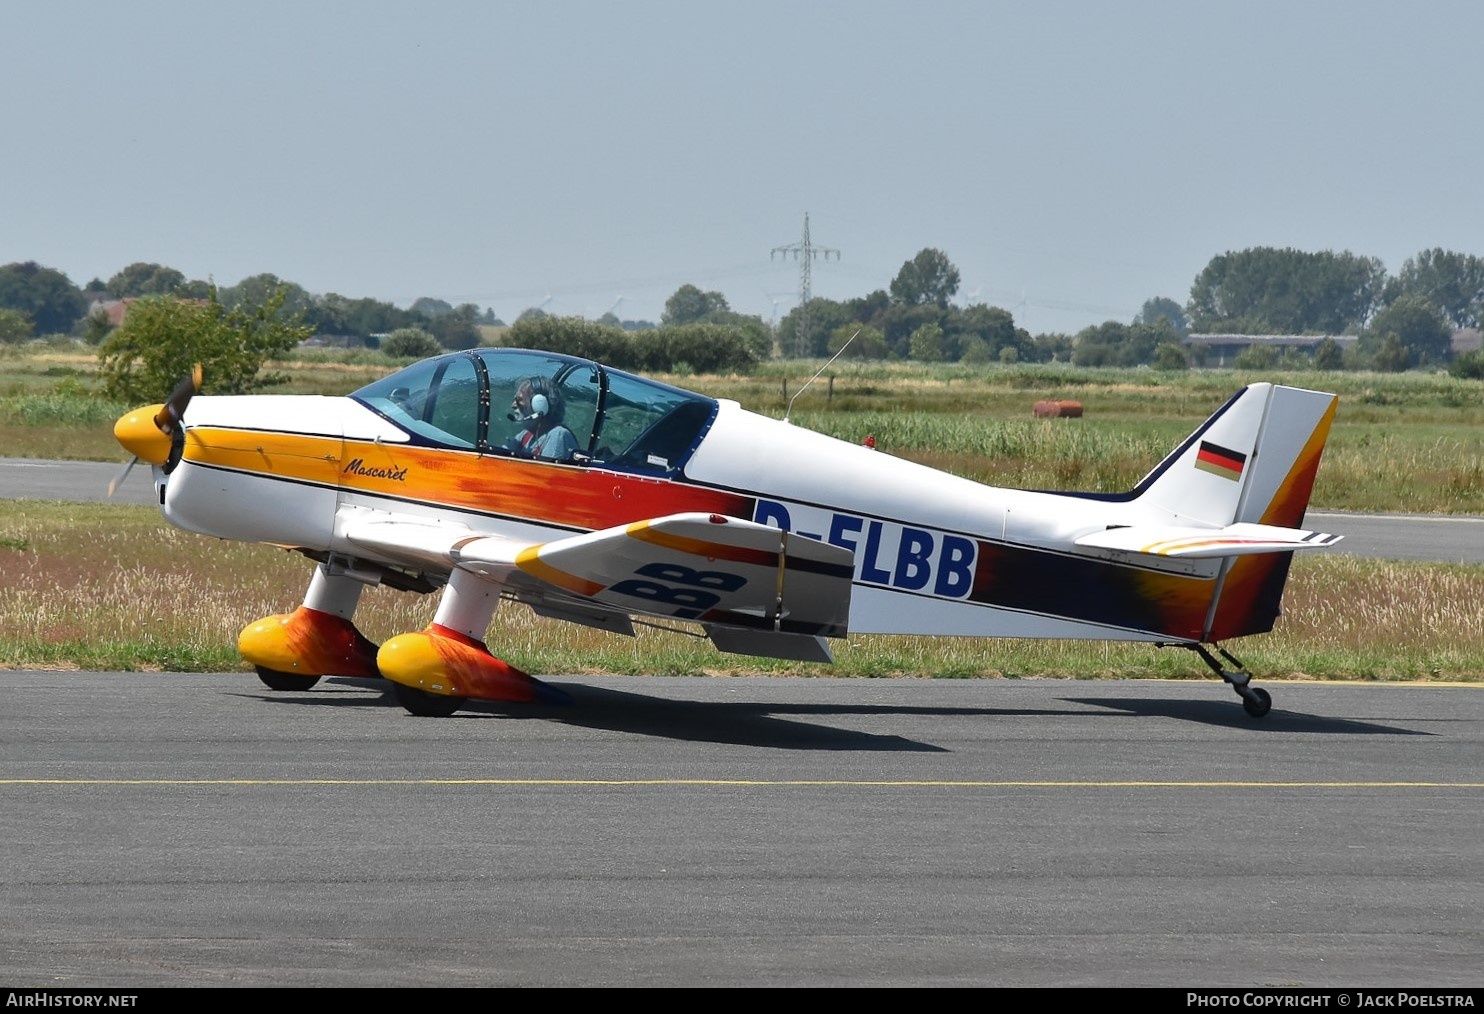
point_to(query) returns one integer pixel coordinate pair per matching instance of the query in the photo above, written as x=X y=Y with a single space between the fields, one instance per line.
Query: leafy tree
x=805 y=330
x=458 y=328
x=162 y=337
x=333 y=313
x=901 y=319
x=15 y=327
x=194 y=289
x=1053 y=348
x=1453 y=283
x=992 y=326
x=142 y=279
x=930 y=277
x=689 y=305
x=426 y=306
x=1170 y=356
x=1469 y=366
x=95 y=326
x=1327 y=355
x=45 y=295
x=869 y=343
x=1391 y=356
x=1264 y=290
x=258 y=289
x=869 y=308
x=1160 y=308
x=1256 y=357
x=926 y=344
x=410 y=343
x=1115 y=344
x=975 y=351
x=1420 y=330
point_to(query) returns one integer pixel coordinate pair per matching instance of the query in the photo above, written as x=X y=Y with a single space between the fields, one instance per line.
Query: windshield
x=543 y=405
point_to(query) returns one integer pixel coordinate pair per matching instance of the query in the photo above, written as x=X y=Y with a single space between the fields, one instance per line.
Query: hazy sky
x=1072 y=159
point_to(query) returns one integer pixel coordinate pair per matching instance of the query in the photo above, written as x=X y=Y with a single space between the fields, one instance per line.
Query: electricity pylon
x=804 y=252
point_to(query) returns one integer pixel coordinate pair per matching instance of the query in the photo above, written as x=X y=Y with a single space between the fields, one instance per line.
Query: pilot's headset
x=540 y=399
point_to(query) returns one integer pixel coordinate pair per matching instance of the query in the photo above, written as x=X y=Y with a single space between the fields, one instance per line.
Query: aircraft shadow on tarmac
x=785 y=726
x=1224 y=712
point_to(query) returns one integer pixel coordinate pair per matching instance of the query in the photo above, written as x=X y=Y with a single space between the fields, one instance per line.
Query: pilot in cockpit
x=539 y=409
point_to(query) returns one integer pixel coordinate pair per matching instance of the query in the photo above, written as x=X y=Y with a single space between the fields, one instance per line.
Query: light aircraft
x=600 y=497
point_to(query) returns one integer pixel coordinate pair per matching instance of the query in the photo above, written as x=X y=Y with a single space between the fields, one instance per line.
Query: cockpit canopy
x=467 y=401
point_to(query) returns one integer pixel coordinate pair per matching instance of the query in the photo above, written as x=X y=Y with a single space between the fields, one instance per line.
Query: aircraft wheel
x=1259 y=703
x=424 y=704
x=275 y=680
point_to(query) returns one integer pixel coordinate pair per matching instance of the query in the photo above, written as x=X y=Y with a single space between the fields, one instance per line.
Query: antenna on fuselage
x=789 y=410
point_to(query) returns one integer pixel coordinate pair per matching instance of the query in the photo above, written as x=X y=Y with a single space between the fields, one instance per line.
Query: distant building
x=1229 y=346
x=116 y=309
x=113 y=309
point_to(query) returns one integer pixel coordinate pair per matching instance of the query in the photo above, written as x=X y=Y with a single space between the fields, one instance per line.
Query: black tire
x=1259 y=703
x=424 y=704
x=275 y=680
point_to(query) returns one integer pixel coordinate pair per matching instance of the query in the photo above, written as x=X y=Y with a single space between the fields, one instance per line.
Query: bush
x=162 y=338
x=699 y=348
x=1469 y=366
x=410 y=343
x=1170 y=356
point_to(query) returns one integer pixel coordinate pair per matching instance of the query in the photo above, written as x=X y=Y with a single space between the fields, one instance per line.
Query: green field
x=114 y=587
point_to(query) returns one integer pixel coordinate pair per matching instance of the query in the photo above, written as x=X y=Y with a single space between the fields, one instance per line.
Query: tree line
x=1401 y=321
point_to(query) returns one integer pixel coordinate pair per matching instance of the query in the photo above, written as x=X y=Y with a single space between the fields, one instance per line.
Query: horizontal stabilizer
x=1208 y=543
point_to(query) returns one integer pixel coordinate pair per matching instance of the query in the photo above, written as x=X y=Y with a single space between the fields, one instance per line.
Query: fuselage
x=934 y=553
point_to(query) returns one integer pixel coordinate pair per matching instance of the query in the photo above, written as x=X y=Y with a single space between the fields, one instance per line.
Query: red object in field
x=1055 y=409
x=870 y=441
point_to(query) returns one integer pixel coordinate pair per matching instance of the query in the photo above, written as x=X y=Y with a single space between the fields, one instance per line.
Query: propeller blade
x=174 y=408
x=118 y=480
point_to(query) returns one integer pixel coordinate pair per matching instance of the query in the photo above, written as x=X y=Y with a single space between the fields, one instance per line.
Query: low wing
x=756 y=589
x=1206 y=543
x=704 y=567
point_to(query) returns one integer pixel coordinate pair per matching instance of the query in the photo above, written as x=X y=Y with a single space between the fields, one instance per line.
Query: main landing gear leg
x=435 y=670
x=291 y=651
x=1255 y=700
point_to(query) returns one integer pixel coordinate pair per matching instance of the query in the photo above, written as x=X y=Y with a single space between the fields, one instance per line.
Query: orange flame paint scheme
x=601 y=496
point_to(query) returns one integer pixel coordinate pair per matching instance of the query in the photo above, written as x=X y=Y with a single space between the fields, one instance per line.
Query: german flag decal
x=1220 y=461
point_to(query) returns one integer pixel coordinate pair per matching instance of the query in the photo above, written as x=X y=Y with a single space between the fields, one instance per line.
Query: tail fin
x=1236 y=490
x=1253 y=461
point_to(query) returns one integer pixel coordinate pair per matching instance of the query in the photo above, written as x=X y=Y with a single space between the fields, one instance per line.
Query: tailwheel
x=275 y=680
x=1256 y=701
x=424 y=704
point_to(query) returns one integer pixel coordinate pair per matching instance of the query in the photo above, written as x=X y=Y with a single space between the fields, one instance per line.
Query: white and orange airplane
x=599 y=497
